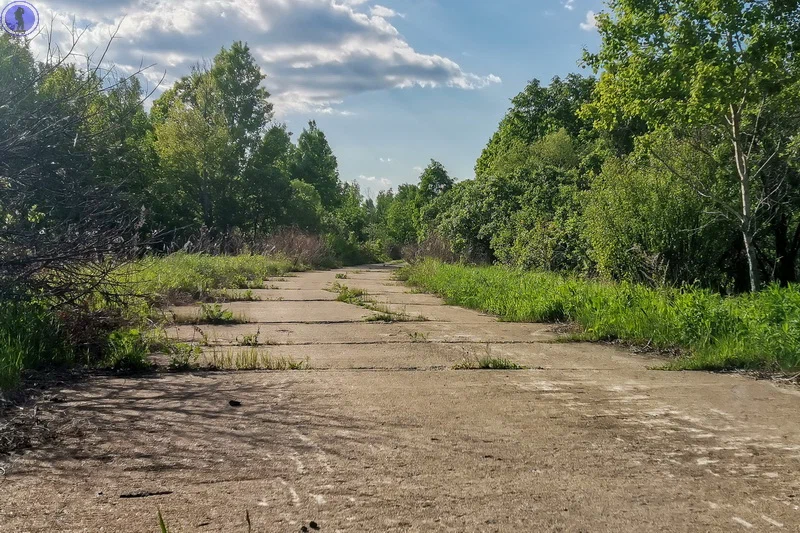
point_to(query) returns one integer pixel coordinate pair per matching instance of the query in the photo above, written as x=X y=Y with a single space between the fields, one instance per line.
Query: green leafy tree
x=709 y=71
x=645 y=226
x=403 y=214
x=266 y=182
x=434 y=181
x=197 y=163
x=315 y=163
x=536 y=112
x=305 y=207
x=244 y=102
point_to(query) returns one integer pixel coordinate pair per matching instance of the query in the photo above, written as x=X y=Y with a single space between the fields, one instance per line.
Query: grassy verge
x=114 y=328
x=752 y=331
x=182 y=277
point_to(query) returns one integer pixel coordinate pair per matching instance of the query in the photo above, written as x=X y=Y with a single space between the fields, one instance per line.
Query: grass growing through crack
x=487 y=363
x=234 y=296
x=384 y=314
x=253 y=359
x=213 y=314
x=250 y=340
x=360 y=298
x=714 y=332
x=350 y=296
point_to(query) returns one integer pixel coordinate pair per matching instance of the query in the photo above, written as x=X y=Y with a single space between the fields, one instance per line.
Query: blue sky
x=393 y=83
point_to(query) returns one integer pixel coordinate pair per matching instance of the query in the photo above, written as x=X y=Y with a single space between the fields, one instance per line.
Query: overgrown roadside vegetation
x=120 y=324
x=759 y=331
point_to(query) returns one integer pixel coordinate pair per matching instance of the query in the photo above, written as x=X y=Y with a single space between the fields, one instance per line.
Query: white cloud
x=591 y=21
x=384 y=12
x=569 y=4
x=385 y=159
x=383 y=182
x=418 y=169
x=315 y=53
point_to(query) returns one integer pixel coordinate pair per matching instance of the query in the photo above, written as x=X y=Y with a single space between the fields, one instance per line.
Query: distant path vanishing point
x=381 y=434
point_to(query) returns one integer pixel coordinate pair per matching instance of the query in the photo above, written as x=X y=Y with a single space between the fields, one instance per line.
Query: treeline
x=678 y=165
x=87 y=172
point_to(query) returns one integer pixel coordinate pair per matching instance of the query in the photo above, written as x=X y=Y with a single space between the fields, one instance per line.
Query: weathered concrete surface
x=377 y=332
x=381 y=436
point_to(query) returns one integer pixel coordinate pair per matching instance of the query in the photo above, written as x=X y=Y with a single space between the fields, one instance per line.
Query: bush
x=751 y=331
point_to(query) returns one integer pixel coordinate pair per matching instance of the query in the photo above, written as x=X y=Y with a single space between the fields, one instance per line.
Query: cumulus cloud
x=315 y=53
x=591 y=21
x=569 y=4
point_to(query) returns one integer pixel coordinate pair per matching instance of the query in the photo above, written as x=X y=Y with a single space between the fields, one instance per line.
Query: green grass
x=382 y=312
x=752 y=331
x=250 y=340
x=30 y=337
x=253 y=359
x=487 y=363
x=33 y=336
x=213 y=314
x=191 y=277
x=234 y=296
x=350 y=296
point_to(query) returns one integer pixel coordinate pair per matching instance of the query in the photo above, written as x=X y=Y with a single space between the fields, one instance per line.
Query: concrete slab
x=297 y=295
x=359 y=333
x=286 y=312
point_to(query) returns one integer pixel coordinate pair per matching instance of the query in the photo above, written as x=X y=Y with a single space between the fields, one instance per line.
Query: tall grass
x=110 y=328
x=752 y=331
x=30 y=337
x=182 y=277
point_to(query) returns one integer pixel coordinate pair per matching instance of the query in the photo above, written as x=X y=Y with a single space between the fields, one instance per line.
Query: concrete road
x=381 y=434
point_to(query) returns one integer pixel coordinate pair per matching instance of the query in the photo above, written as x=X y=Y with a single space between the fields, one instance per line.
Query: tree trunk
x=746 y=215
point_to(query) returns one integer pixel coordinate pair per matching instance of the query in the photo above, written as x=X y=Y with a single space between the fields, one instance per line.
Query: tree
x=218 y=167
x=536 y=112
x=305 y=206
x=434 y=182
x=265 y=181
x=402 y=215
x=710 y=72
x=645 y=226
x=315 y=163
x=244 y=102
x=197 y=161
